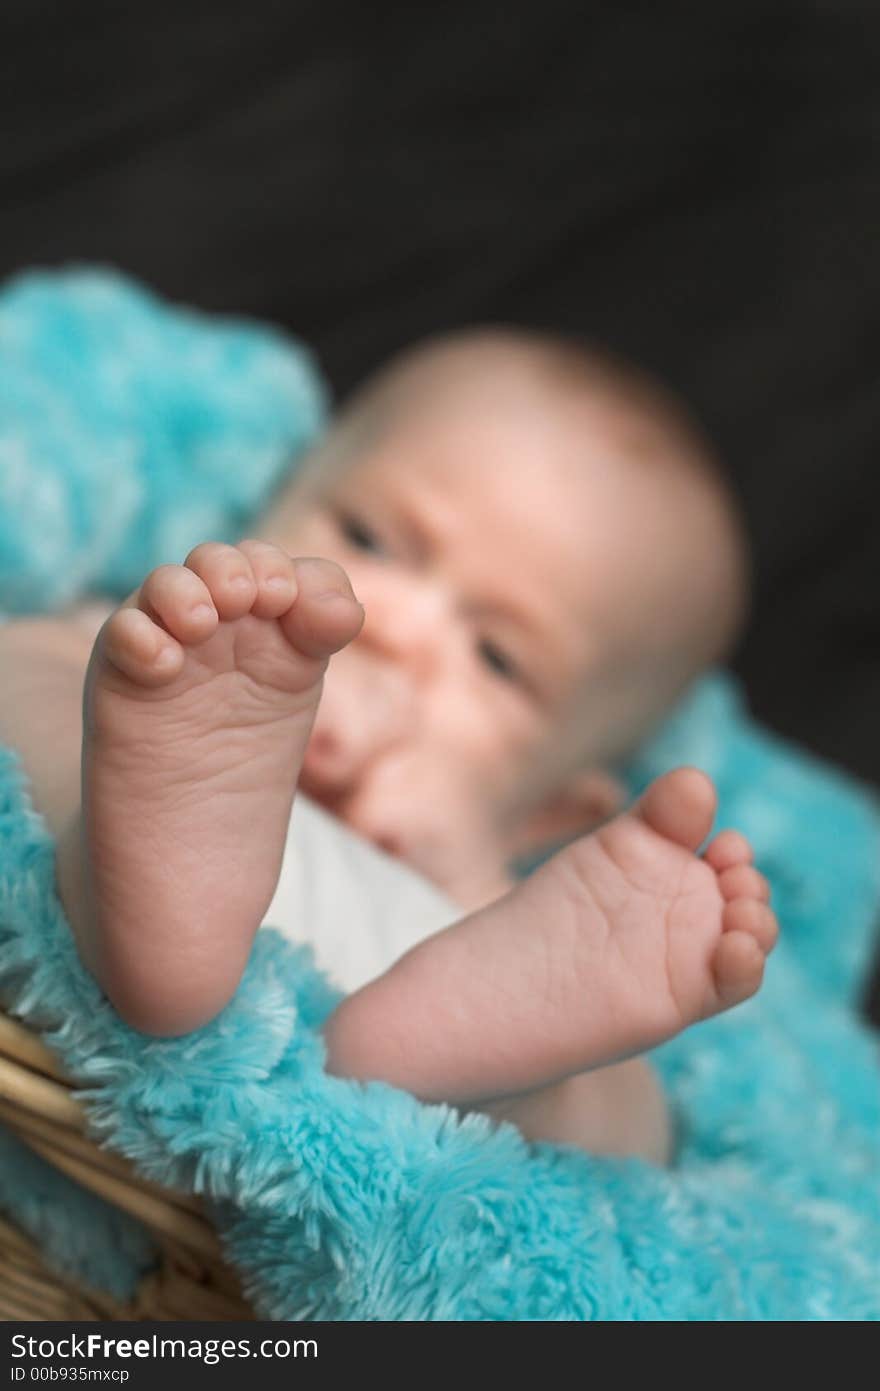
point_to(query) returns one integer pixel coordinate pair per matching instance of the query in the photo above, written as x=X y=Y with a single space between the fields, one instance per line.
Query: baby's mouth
x=332 y=800
x=337 y=802
x=332 y=793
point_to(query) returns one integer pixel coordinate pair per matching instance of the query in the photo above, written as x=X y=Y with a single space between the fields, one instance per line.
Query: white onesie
x=358 y=908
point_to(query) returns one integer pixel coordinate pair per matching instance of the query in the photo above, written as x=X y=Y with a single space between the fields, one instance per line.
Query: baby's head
x=547 y=558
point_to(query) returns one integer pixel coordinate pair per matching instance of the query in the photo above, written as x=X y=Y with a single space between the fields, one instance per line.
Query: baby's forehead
x=483 y=432
x=572 y=474
x=559 y=472
x=608 y=474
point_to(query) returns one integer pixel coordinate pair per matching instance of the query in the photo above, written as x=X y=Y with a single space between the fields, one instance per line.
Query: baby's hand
x=90 y=616
x=452 y=839
x=472 y=877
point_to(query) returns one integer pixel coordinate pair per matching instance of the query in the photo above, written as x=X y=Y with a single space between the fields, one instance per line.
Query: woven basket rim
x=39 y=1105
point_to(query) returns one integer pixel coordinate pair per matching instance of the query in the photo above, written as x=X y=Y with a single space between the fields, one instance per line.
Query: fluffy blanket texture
x=343 y=1201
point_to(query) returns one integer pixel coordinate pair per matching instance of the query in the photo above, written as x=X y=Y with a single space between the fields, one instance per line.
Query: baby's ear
x=587 y=799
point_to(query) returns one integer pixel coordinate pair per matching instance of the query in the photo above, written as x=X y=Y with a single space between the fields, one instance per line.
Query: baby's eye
x=360 y=535
x=497 y=660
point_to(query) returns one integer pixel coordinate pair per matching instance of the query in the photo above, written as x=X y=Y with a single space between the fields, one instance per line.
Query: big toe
x=680 y=806
x=326 y=615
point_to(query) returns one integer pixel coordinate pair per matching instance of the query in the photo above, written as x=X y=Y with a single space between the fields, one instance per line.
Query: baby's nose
x=407 y=620
x=358 y=721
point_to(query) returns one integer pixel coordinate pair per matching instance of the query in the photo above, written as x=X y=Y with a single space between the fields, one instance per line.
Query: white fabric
x=358 y=908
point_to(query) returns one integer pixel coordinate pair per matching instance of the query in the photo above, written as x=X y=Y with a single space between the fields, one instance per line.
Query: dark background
x=697 y=185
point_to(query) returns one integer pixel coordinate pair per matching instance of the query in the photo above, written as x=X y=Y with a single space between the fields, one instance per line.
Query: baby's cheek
x=476 y=728
x=423 y=799
x=498 y=759
x=300 y=533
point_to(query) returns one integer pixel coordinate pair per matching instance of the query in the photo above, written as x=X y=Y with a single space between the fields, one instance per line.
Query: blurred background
x=696 y=185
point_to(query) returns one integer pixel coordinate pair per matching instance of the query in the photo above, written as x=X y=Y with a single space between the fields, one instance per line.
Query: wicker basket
x=192 y=1280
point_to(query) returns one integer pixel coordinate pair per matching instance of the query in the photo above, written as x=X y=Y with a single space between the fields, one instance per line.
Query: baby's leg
x=199 y=702
x=619 y=1110
x=619 y=942
x=615 y=1109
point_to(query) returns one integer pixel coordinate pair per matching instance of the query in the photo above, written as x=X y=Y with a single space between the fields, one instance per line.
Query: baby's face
x=490 y=562
x=502 y=557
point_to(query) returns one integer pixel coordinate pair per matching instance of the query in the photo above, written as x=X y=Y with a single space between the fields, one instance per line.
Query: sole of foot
x=200 y=697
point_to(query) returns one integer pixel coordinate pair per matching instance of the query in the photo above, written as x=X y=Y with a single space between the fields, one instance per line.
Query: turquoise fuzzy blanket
x=127 y=432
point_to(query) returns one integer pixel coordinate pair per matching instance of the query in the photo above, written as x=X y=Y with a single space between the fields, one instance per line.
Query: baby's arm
x=43 y=662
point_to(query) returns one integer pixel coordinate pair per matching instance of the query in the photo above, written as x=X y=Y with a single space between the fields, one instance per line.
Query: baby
x=546 y=559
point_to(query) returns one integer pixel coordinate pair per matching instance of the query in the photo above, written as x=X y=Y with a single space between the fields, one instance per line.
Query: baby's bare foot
x=616 y=944
x=199 y=702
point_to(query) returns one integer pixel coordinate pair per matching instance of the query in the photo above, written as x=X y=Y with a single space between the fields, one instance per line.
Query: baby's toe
x=680 y=806
x=139 y=648
x=743 y=881
x=177 y=599
x=749 y=917
x=275 y=576
x=728 y=848
x=737 y=968
x=227 y=573
x=326 y=614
